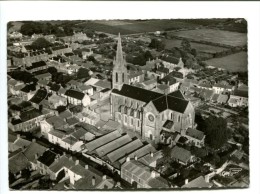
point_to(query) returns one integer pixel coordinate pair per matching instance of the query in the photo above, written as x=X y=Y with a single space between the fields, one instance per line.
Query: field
x=235 y=62
x=170 y=43
x=133 y=27
x=214 y=36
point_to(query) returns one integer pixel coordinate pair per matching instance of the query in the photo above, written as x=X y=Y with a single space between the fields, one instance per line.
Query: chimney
x=136 y=157
x=36 y=156
x=151 y=154
x=18 y=136
x=186 y=181
x=86 y=166
x=104 y=177
x=127 y=159
x=76 y=162
x=34 y=140
x=93 y=181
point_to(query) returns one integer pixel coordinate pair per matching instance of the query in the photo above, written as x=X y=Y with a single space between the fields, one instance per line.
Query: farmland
x=235 y=62
x=214 y=36
x=132 y=27
x=170 y=43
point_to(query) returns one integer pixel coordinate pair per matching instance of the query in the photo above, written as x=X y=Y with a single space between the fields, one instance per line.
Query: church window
x=119 y=116
x=123 y=77
x=171 y=116
x=179 y=118
x=138 y=123
x=125 y=119
x=162 y=116
x=116 y=77
x=132 y=121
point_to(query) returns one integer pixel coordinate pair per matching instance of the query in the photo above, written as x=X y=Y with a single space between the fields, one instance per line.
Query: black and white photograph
x=128 y=104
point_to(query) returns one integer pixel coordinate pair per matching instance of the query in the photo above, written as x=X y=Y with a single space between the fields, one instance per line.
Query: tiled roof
x=177 y=94
x=17 y=163
x=197 y=183
x=65 y=114
x=149 y=159
x=32 y=149
x=181 y=154
x=195 y=133
x=57 y=133
x=56 y=121
x=44 y=75
x=103 y=84
x=63 y=161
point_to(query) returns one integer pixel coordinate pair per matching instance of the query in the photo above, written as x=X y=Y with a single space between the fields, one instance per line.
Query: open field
x=235 y=62
x=214 y=36
x=132 y=27
x=170 y=43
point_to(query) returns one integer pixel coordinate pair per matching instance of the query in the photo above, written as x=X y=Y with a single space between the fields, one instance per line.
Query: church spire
x=119 y=52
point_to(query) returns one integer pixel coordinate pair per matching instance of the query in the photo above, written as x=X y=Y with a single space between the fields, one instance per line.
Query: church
x=146 y=112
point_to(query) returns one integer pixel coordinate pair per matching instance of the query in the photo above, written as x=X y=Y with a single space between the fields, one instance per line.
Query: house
x=86 y=89
x=18 y=163
x=51 y=123
x=27 y=92
x=142 y=176
x=238 y=98
x=162 y=71
x=28 y=120
x=181 y=155
x=15 y=86
x=38 y=97
x=44 y=76
x=55 y=101
x=16 y=142
x=45 y=161
x=135 y=77
x=221 y=88
x=32 y=152
x=197 y=183
x=36 y=66
x=171 y=82
x=195 y=137
x=102 y=84
x=77 y=98
x=222 y=99
x=169 y=138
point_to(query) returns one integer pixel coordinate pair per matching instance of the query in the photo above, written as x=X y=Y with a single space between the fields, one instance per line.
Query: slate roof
x=65 y=114
x=137 y=93
x=195 y=133
x=75 y=94
x=38 y=96
x=177 y=94
x=70 y=140
x=47 y=158
x=72 y=121
x=103 y=84
x=57 y=133
x=181 y=154
x=36 y=65
x=148 y=159
x=170 y=102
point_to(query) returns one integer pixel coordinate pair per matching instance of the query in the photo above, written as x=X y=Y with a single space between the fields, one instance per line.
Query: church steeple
x=120 y=75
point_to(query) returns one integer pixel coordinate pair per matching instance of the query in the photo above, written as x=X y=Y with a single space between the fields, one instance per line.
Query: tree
x=157 y=44
x=82 y=73
x=185 y=45
x=148 y=55
x=52 y=70
x=41 y=43
x=91 y=58
x=216 y=131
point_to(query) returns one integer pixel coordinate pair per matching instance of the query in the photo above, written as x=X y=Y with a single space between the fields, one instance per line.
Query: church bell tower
x=120 y=75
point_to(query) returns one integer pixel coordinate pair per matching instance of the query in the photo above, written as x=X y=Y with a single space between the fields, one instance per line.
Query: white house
x=77 y=98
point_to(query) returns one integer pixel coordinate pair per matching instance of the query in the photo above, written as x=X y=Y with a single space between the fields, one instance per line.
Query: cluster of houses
x=158 y=99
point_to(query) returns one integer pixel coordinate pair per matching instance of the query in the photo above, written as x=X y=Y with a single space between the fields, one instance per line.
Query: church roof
x=137 y=93
x=170 y=102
